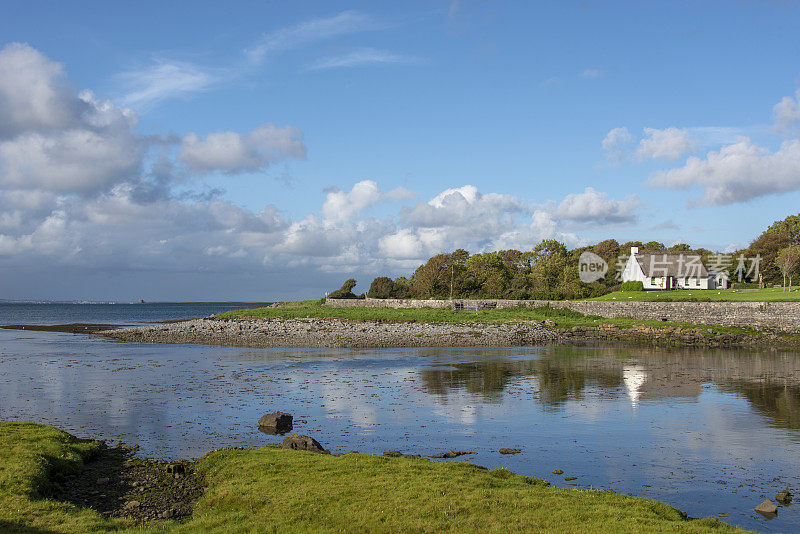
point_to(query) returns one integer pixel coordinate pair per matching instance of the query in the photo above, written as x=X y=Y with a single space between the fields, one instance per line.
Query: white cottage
x=668 y=270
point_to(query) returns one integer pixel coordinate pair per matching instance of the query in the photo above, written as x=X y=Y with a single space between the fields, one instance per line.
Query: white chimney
x=634 y=250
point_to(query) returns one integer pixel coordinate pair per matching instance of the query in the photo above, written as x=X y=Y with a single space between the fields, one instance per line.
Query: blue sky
x=270 y=150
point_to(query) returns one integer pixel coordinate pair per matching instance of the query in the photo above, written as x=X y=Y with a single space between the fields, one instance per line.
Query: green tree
x=547 y=278
x=441 y=276
x=680 y=247
x=788 y=260
x=789 y=227
x=488 y=275
x=625 y=248
x=432 y=279
x=346 y=291
x=384 y=287
x=767 y=246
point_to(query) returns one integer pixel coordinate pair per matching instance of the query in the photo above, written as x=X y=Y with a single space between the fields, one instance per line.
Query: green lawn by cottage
x=772 y=294
x=271 y=490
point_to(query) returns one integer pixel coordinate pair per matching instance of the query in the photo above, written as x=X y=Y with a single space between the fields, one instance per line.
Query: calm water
x=113 y=313
x=709 y=432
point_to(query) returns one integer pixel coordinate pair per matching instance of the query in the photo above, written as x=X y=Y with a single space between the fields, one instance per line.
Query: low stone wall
x=783 y=316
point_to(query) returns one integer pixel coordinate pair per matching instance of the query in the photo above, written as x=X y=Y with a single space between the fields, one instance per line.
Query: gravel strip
x=334 y=333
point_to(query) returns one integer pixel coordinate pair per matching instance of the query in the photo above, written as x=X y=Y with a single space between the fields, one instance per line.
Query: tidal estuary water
x=710 y=432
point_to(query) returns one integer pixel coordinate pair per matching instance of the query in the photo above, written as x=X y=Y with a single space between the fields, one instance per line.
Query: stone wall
x=784 y=316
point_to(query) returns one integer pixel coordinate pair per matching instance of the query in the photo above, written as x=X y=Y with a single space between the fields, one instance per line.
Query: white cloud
x=231 y=152
x=787 y=112
x=591 y=73
x=166 y=79
x=737 y=173
x=405 y=243
x=357 y=58
x=33 y=93
x=346 y=22
x=76 y=161
x=341 y=205
x=616 y=142
x=669 y=143
x=467 y=194
x=595 y=206
x=86 y=193
x=466 y=211
x=56 y=140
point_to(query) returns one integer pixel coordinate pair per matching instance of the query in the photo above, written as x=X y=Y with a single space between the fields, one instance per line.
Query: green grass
x=772 y=294
x=270 y=490
x=561 y=318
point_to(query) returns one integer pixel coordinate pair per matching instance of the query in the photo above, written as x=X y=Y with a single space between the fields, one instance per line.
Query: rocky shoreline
x=336 y=333
x=340 y=333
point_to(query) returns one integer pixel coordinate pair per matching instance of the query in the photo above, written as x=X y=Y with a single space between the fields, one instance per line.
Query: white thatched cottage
x=668 y=270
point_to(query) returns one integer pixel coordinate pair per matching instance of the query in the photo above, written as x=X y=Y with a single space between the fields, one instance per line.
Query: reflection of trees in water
x=487 y=378
x=557 y=383
x=778 y=402
x=565 y=374
x=558 y=380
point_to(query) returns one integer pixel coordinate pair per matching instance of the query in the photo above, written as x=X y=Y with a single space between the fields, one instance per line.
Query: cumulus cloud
x=34 y=95
x=467 y=209
x=616 y=142
x=55 y=139
x=787 y=112
x=669 y=143
x=231 y=152
x=82 y=191
x=595 y=206
x=345 y=205
x=737 y=173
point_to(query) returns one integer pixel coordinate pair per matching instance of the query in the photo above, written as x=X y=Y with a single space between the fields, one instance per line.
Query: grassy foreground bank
x=269 y=489
x=560 y=318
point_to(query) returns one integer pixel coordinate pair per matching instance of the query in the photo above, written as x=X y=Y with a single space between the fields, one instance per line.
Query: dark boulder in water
x=275 y=423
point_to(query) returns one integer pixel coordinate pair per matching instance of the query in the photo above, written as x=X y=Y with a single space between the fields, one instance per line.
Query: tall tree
x=788 y=260
x=548 y=269
x=767 y=246
x=654 y=245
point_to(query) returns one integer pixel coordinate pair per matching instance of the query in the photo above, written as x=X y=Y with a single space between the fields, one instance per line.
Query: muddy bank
x=117 y=484
x=336 y=333
x=339 y=333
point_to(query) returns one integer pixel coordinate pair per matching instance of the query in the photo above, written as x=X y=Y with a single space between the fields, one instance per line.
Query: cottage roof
x=676 y=264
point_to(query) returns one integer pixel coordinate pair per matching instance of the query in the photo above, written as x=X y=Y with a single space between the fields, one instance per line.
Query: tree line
x=550 y=270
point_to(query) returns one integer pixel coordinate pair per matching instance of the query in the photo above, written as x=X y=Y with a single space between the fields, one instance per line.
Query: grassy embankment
x=561 y=318
x=269 y=489
x=772 y=294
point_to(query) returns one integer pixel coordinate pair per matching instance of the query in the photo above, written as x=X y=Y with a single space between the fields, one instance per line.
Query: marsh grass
x=270 y=490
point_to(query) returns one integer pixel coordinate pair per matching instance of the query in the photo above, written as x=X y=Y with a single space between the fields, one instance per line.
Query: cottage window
x=653 y=281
